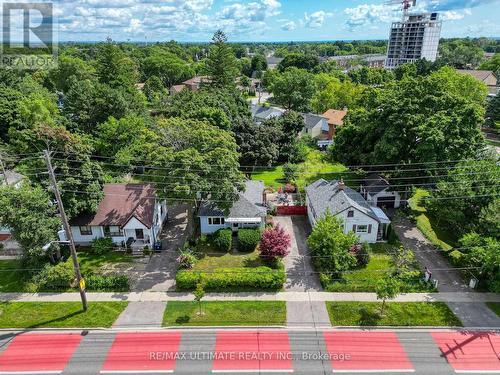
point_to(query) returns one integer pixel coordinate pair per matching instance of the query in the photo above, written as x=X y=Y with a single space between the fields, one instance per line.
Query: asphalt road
x=233 y=351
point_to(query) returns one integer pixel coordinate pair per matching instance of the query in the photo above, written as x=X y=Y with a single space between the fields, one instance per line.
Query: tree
x=293 y=89
x=275 y=243
x=192 y=157
x=492 y=64
x=290 y=171
x=387 y=288
x=460 y=54
x=475 y=182
x=292 y=123
x=415 y=120
x=221 y=64
x=371 y=76
x=199 y=293
x=257 y=145
x=31 y=219
x=305 y=61
x=154 y=89
x=168 y=67
x=330 y=246
x=114 y=67
x=493 y=111
x=69 y=66
x=259 y=64
x=333 y=93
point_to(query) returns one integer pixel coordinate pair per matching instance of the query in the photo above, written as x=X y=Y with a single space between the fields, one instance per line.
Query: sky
x=259 y=20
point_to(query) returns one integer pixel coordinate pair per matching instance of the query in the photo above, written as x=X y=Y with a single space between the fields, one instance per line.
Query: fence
x=291 y=210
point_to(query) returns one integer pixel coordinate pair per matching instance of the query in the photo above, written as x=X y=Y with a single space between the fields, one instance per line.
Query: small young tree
x=199 y=293
x=275 y=243
x=387 y=288
x=290 y=171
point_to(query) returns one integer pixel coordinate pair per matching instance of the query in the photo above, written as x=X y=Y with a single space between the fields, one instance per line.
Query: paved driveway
x=299 y=270
x=158 y=274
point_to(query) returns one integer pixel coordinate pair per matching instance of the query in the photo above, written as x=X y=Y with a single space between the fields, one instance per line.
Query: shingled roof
x=122 y=202
x=335 y=117
x=248 y=205
x=374 y=183
x=327 y=196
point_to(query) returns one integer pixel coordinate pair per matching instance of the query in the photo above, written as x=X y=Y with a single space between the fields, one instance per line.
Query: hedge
x=117 y=283
x=223 y=239
x=259 y=278
x=248 y=239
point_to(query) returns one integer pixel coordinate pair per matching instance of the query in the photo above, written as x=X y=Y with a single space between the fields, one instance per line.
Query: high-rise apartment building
x=415 y=37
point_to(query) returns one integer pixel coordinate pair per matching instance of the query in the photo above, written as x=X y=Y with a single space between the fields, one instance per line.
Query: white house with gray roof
x=262 y=113
x=315 y=125
x=248 y=211
x=369 y=223
x=377 y=191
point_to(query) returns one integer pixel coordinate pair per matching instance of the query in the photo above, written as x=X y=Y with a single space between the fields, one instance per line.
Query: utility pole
x=67 y=229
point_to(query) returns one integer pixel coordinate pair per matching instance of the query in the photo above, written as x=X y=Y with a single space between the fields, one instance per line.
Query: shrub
x=224 y=279
x=392 y=237
x=456 y=257
x=101 y=246
x=290 y=171
x=58 y=277
x=275 y=243
x=223 y=239
x=361 y=252
x=248 y=239
x=112 y=283
x=186 y=260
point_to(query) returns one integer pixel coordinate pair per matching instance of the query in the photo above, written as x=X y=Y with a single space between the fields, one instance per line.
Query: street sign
x=82 y=284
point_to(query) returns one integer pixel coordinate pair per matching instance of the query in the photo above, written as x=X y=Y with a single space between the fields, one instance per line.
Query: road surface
x=234 y=351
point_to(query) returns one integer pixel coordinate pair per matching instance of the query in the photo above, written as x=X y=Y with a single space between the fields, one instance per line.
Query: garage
x=386 y=202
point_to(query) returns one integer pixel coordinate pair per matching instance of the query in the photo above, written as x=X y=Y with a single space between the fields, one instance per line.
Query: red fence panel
x=291 y=210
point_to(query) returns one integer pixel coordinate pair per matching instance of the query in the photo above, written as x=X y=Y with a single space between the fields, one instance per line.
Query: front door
x=235 y=227
x=139 y=234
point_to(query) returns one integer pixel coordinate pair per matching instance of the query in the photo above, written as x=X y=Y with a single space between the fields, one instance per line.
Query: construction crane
x=405 y=5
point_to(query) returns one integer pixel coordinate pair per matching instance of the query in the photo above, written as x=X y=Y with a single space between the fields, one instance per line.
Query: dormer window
x=350 y=213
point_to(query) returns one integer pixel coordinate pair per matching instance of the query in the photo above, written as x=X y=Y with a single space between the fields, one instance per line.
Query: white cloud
x=289 y=26
x=369 y=14
x=315 y=20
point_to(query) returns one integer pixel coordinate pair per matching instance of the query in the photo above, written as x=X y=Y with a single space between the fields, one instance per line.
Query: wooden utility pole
x=67 y=229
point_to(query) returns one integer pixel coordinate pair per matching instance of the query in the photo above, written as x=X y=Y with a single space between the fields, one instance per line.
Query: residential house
x=192 y=84
x=273 y=62
x=249 y=211
x=10 y=178
x=315 y=125
x=128 y=213
x=263 y=113
x=369 y=223
x=335 y=119
x=377 y=191
x=485 y=76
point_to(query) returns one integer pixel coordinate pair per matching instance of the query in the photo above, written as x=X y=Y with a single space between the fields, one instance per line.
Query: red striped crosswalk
x=252 y=351
x=366 y=352
x=143 y=352
x=470 y=352
x=39 y=353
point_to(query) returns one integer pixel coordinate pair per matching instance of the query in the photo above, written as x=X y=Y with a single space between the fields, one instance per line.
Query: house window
x=362 y=229
x=350 y=213
x=112 y=231
x=215 y=221
x=85 y=230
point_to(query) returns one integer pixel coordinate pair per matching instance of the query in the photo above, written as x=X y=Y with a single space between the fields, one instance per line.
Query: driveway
x=158 y=275
x=449 y=280
x=300 y=273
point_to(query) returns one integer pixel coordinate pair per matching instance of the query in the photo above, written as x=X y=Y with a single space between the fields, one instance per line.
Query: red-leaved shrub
x=275 y=243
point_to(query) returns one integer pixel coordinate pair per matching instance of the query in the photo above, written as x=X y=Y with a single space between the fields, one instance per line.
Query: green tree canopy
x=220 y=64
x=293 y=89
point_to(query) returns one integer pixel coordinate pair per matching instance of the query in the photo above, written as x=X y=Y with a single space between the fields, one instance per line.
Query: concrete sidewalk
x=448 y=297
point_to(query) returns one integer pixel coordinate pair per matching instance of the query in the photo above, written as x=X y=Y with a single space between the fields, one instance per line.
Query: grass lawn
x=11 y=279
x=315 y=167
x=59 y=314
x=364 y=279
x=90 y=263
x=495 y=306
x=212 y=260
x=395 y=314
x=427 y=224
x=226 y=313
x=14 y=281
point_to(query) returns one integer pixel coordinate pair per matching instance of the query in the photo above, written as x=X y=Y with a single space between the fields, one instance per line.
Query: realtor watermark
x=28 y=35
x=248 y=356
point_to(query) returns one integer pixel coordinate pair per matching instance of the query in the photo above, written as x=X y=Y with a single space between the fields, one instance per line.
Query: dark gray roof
x=12 y=177
x=374 y=183
x=265 y=113
x=273 y=60
x=312 y=120
x=248 y=205
x=326 y=195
